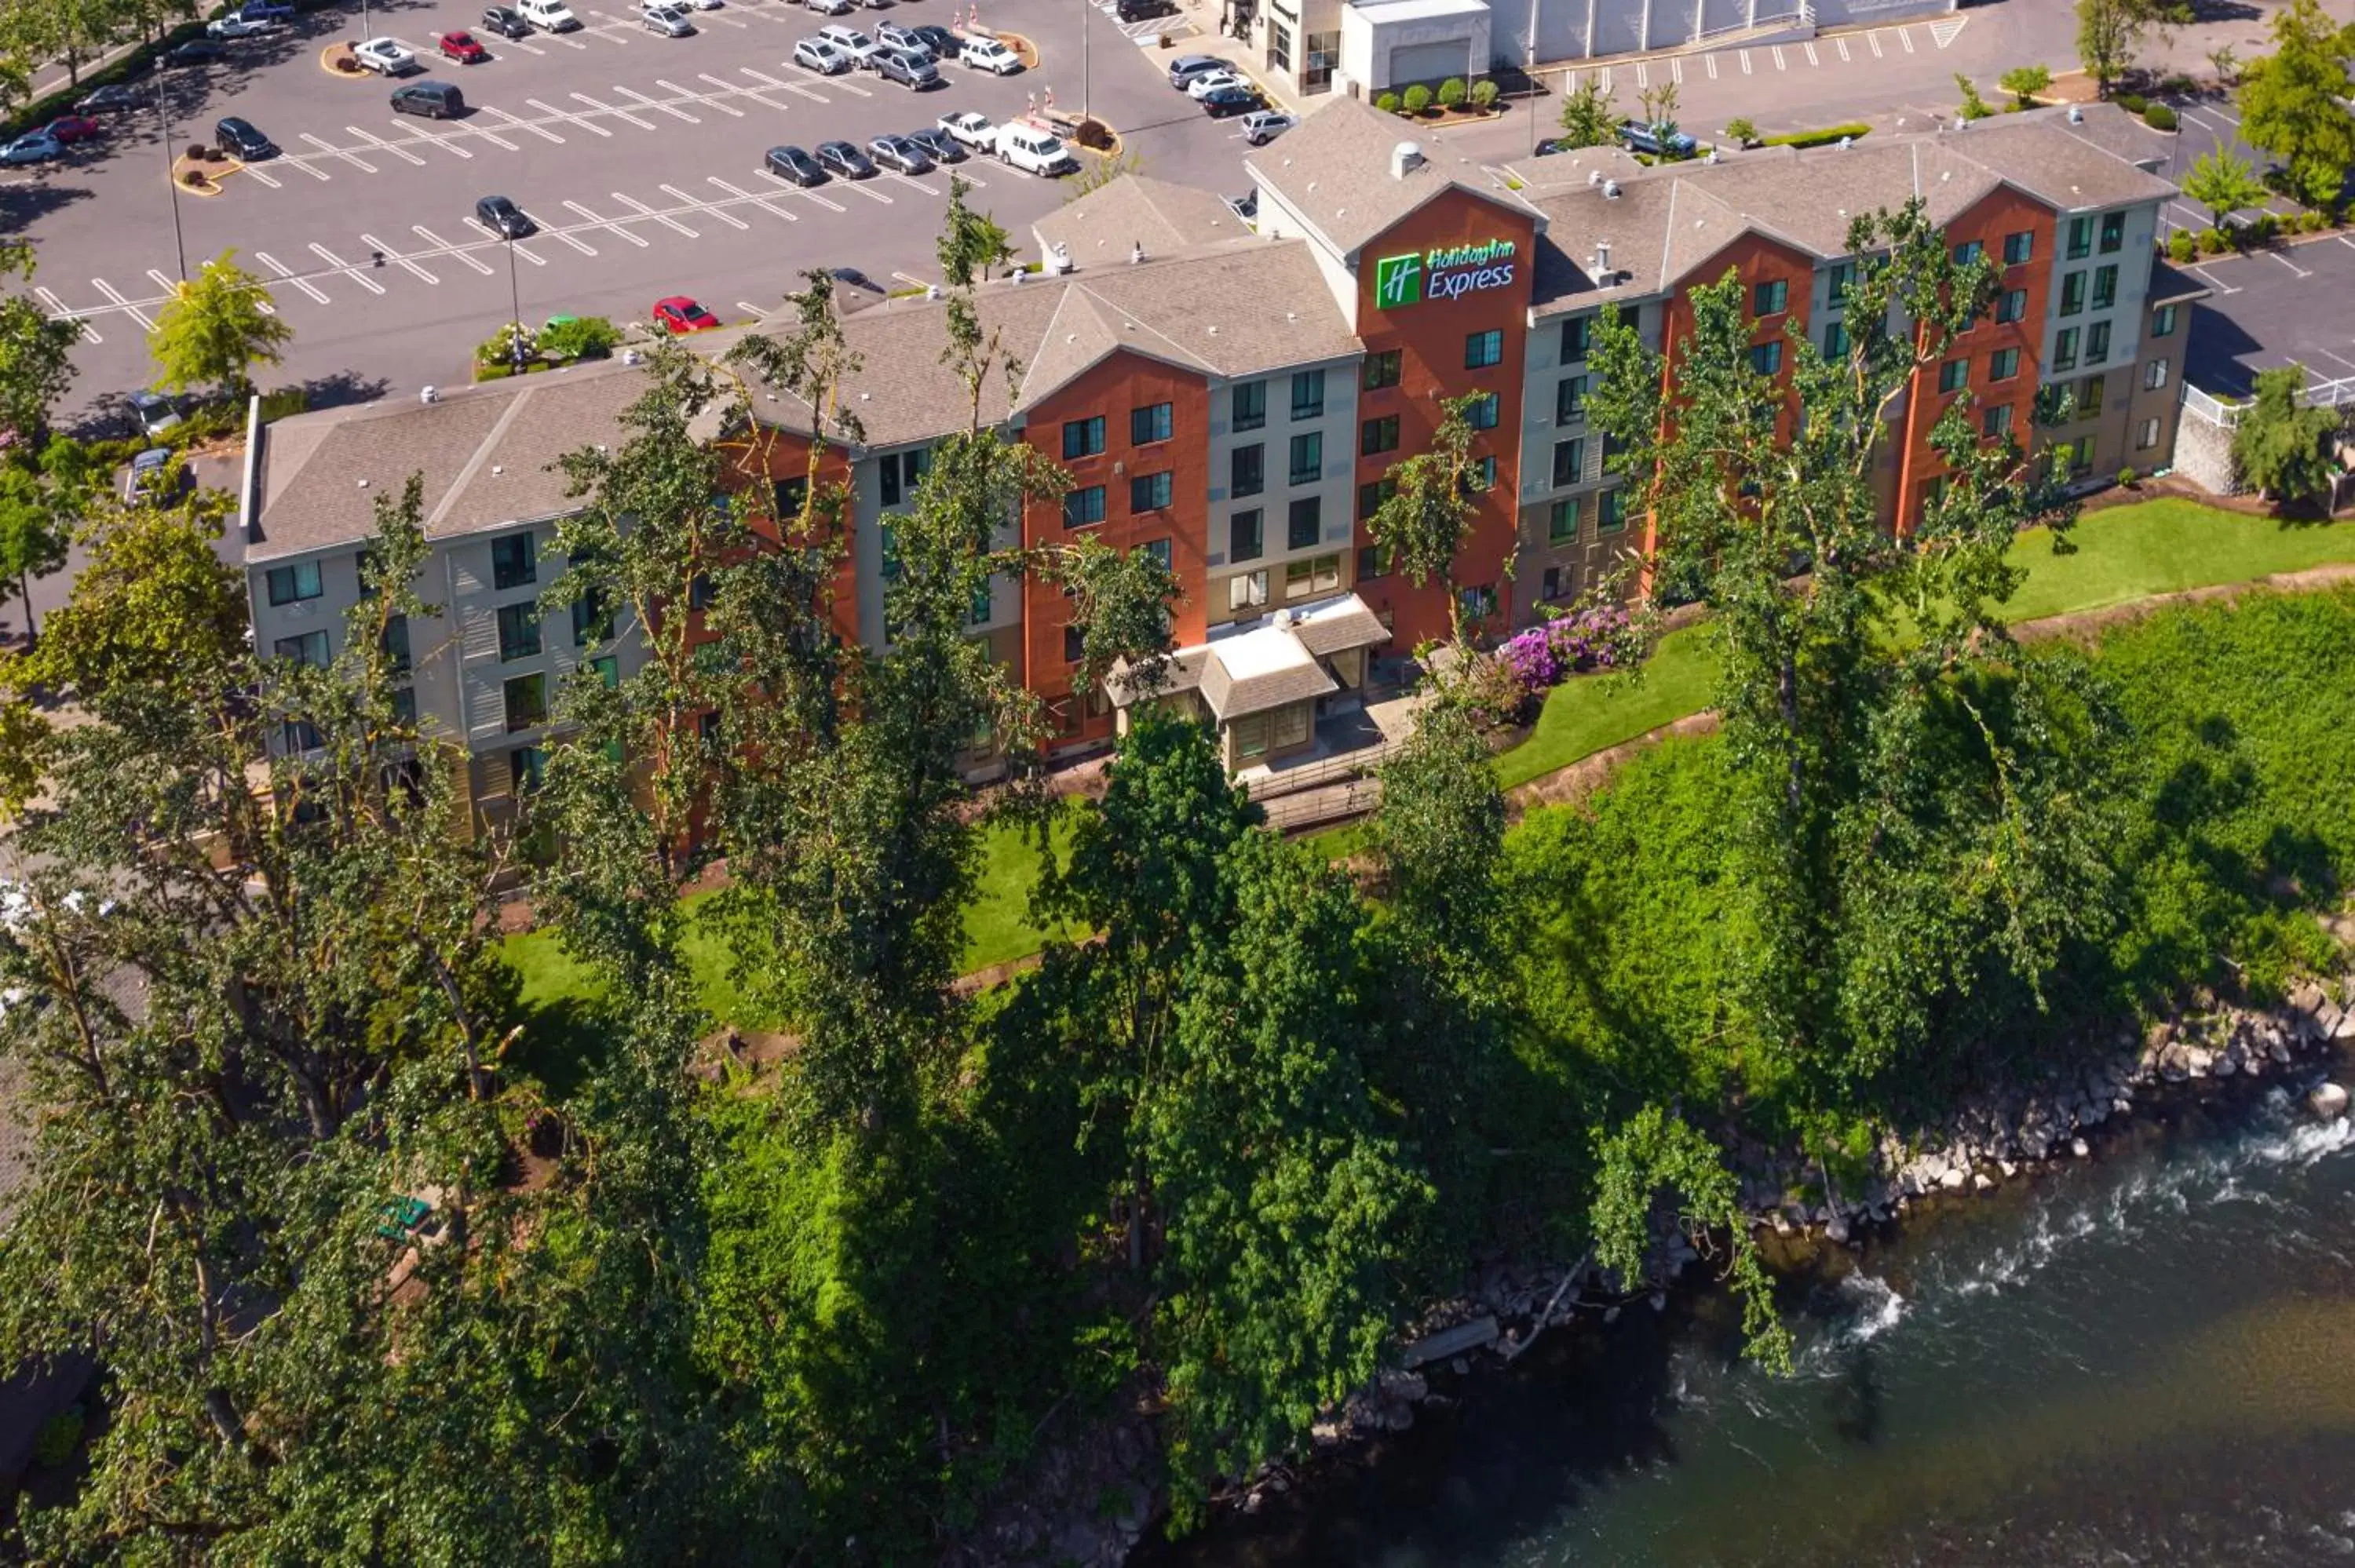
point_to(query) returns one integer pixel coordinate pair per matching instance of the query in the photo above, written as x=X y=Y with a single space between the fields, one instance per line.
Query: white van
x=549 y=15
x=1034 y=151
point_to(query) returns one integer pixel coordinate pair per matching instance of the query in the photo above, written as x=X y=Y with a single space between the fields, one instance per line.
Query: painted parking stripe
x=347 y=269
x=846 y=85
x=1809 y=50
x=862 y=188
x=307 y=166
x=608 y=225
x=2209 y=279
x=643 y=210
x=387 y=251
x=757 y=200
x=526 y=46
x=796 y=190
x=730 y=219
x=168 y=285
x=2341 y=358
x=1946 y=32
x=1777 y=50
x=377 y=143
x=462 y=252
x=617 y=113
x=2344 y=240
x=536 y=129
x=771 y=84
x=1745 y=62
x=1676 y=68
x=57 y=311
x=1711 y=61
x=705 y=99
x=435 y=139
x=478 y=126
x=1839 y=42
x=566 y=114
x=142 y=317
x=2289 y=263
x=1905 y=36
x=266 y=179
x=1874 y=39
x=577 y=243
x=1643 y=75
x=286 y=274
x=657 y=105
x=2198 y=119
x=908 y=180
x=333 y=151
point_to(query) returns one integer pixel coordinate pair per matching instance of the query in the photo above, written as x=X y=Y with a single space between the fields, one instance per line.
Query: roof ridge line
x=481 y=454
x=1138 y=317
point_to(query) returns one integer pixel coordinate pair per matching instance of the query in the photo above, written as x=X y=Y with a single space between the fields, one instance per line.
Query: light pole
x=1086 y=8
x=514 y=307
x=171 y=182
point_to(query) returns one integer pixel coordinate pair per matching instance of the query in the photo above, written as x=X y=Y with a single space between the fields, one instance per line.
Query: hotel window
x=2114 y=231
x=2018 y=248
x=2147 y=435
x=1158 y=550
x=1307 y=458
x=394 y=642
x=1250 y=405
x=404 y=705
x=1148 y=424
x=1082 y=437
x=1373 y=561
x=291 y=585
x=1376 y=436
x=526 y=764
x=2080 y=455
x=2072 y=293
x=1481 y=415
x=1279 y=46
x=1570 y=399
x=1768 y=298
x=1551 y=585
x=698 y=591
x=1767 y=359
x=1322 y=575
x=1244 y=535
x=1577 y=337
x=1382 y=369
x=2064 y=349
x=1247 y=468
x=519 y=632
x=1481 y=476
x=1561 y=522
x=2154 y=375
x=1081 y=507
x=514 y=561
x=2081 y=239
x=1148 y=491
x=1611 y=512
x=592 y=618
x=1248 y=591
x=2089 y=397
x=1307 y=394
x=887 y=538
x=1569 y=461
x=2012 y=306
x=984 y=601
x=1483 y=349
x=1954 y=375
x=310 y=648
x=2097 y=342
x=526 y=701
x=1303 y=524
x=607 y=669
x=2162 y=321
x=901 y=473
x=1075 y=644
x=2106 y=286
x=1968 y=251
x=792 y=495
x=1371 y=496
x=2003 y=364
x=1835 y=340
x=1478 y=600
x=1995 y=421
x=1843 y=274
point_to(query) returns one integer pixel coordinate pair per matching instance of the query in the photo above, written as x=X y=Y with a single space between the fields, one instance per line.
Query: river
x=2144 y=1358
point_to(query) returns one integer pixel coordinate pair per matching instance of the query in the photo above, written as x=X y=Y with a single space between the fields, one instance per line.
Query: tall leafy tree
x=2293 y=101
x=2282 y=445
x=36 y=351
x=1589 y=117
x=39 y=502
x=2222 y=181
x=1423 y=522
x=213 y=329
x=2110 y=34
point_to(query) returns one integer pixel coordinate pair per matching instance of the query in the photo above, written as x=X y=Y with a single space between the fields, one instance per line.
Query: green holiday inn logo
x=1398 y=281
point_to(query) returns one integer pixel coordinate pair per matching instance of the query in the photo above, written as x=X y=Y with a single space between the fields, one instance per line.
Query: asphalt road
x=639 y=155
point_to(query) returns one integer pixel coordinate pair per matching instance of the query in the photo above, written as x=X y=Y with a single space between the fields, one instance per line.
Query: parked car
x=852 y=278
x=196 y=52
x=506 y=22
x=230 y=27
x=1223 y=102
x=1184 y=68
x=943 y=44
x=850 y=41
x=154 y=474
x=1202 y=83
x=914 y=72
x=1246 y=205
x=243 y=139
x=680 y=315
x=385 y=56
x=976 y=131
x=264 y=11
x=429 y=101
x=876 y=4
x=501 y=216
x=33 y=147
x=844 y=159
x=1266 y=126
x=831 y=7
x=794 y=164
x=461 y=47
x=116 y=98
x=1142 y=10
x=153 y=412
x=1655 y=140
x=668 y=20
x=549 y=15
x=703 y=4
x=989 y=55
x=891 y=36
x=73 y=128
x=938 y=145
x=900 y=154
x=1034 y=151
x=822 y=56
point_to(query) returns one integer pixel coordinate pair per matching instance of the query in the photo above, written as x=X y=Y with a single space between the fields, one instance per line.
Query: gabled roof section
x=1334 y=169
x=1107 y=224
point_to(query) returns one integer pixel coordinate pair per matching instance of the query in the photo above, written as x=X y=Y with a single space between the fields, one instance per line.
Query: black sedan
x=945 y=45
x=1222 y=102
x=901 y=154
x=843 y=158
x=196 y=52
x=794 y=164
x=115 y=98
x=502 y=218
x=938 y=145
x=506 y=22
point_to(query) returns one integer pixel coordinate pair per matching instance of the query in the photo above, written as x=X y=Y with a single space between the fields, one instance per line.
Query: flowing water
x=2146 y=1358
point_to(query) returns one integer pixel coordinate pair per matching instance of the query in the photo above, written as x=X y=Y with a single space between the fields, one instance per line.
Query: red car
x=681 y=315
x=461 y=47
x=73 y=128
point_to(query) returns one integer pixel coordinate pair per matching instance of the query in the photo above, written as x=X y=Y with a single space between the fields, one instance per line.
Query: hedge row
x=1823 y=137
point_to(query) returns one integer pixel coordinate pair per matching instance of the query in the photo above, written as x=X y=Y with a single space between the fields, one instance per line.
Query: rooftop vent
x=497 y=469
x=1405 y=158
x=428 y=394
x=1136 y=252
x=1603 y=259
x=931 y=291
x=1847 y=140
x=1611 y=190
x=1595 y=176
x=2076 y=115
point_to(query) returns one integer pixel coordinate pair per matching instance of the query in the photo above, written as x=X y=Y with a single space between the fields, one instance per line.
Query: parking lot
x=639 y=156
x=2293 y=305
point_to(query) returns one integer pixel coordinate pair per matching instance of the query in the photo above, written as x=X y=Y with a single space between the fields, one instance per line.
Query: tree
x=1589 y=116
x=1659 y=106
x=2110 y=34
x=1423 y=520
x=2024 y=82
x=36 y=362
x=2225 y=61
x=38 y=508
x=2294 y=102
x=2282 y=445
x=2222 y=182
x=153 y=611
x=1742 y=130
x=213 y=329
x=1974 y=106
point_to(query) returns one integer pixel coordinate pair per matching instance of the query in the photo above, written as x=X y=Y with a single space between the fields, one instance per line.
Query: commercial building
x=1233 y=397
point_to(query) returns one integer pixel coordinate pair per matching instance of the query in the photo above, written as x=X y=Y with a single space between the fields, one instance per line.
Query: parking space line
x=2344 y=240
x=2199 y=218
x=348 y=270
x=771 y=84
x=306 y=166
x=1777 y=50
x=2210 y=278
x=2224 y=114
x=142 y=317
x=757 y=200
x=848 y=86
x=2198 y=119
x=861 y=187
x=580 y=245
x=1905 y=36
x=1874 y=39
x=379 y=143
x=477 y=127
x=432 y=140
x=609 y=225
x=657 y=106
x=1643 y=74
x=166 y=285
x=286 y=274
x=57 y=311
x=729 y=218
x=1676 y=68
x=617 y=113
x=2289 y=263
x=705 y=99
x=1745 y=62
x=256 y=174
x=1711 y=61
x=1813 y=58
x=542 y=131
x=643 y=210
x=387 y=251
x=830 y=205
x=463 y=253
x=566 y=114
x=335 y=152
x=2341 y=358
x=911 y=180
x=528 y=48
x=1839 y=42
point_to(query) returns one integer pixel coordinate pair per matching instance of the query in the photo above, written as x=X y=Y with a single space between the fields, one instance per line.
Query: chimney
x=1603 y=259
x=1405 y=158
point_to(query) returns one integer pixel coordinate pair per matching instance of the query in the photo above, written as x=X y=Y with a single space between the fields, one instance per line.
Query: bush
x=1451 y=93
x=580 y=338
x=1741 y=132
x=1483 y=95
x=1417 y=99
x=1823 y=137
x=2214 y=242
x=284 y=403
x=1388 y=103
x=2181 y=246
x=2158 y=117
x=500 y=348
x=59 y=1435
x=2132 y=102
x=2126 y=476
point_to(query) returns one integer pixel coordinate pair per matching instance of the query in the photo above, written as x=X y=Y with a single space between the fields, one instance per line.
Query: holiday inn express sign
x=1444 y=272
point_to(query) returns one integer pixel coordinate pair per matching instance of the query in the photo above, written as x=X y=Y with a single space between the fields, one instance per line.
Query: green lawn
x=998 y=925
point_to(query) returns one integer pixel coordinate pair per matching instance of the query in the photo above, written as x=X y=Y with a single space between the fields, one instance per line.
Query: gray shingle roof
x=1136 y=209
x=1334 y=169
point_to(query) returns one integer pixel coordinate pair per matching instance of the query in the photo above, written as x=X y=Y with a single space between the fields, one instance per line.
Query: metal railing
x=1324 y=770
x=1293 y=812
x=2219 y=411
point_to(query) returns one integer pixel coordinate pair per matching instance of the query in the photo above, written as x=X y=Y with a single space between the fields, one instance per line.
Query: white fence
x=2322 y=394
